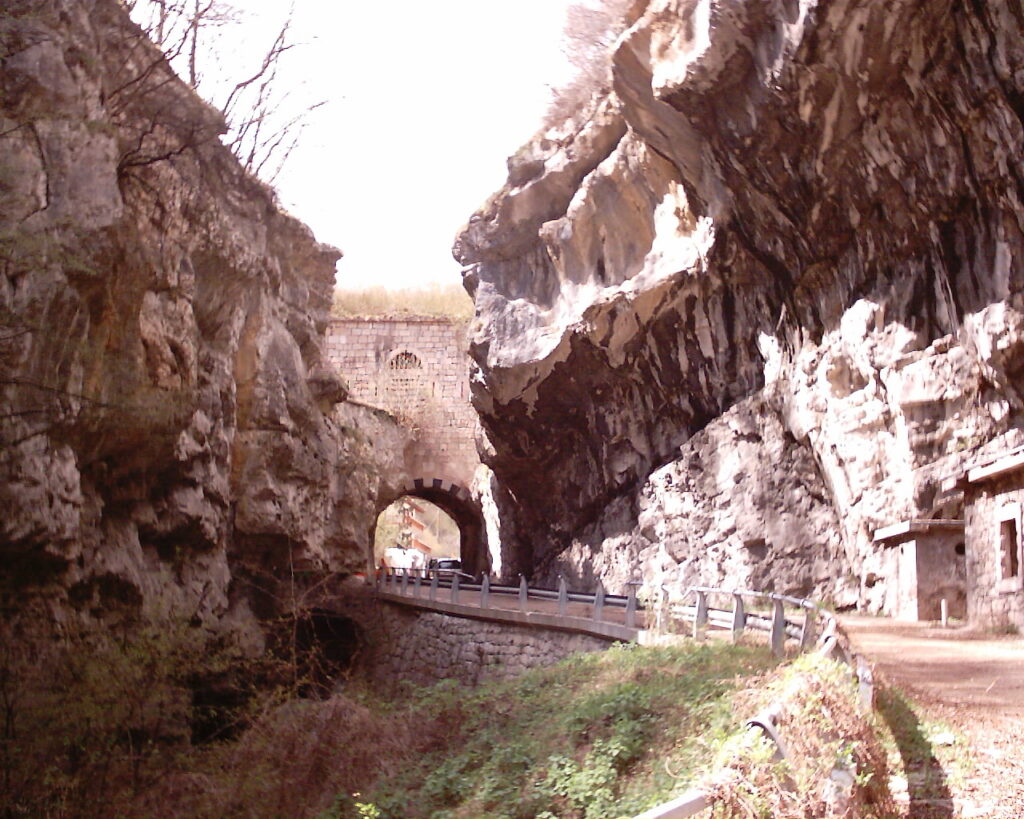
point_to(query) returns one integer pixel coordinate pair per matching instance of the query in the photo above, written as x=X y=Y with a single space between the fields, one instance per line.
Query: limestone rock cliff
x=167 y=432
x=759 y=298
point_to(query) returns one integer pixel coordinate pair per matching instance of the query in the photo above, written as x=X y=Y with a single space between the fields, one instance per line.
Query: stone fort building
x=417 y=369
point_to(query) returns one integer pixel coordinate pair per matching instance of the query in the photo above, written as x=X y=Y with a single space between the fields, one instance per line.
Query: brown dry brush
x=302 y=758
x=823 y=731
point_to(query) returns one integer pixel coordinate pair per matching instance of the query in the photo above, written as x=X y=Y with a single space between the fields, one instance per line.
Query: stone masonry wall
x=992 y=601
x=418 y=370
x=424 y=647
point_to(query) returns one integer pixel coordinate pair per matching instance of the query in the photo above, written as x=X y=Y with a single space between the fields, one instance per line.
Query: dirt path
x=971 y=682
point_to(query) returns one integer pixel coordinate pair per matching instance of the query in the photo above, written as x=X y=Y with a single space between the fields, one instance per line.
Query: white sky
x=425 y=100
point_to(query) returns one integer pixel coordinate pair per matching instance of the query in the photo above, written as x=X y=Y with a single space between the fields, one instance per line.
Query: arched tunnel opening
x=315 y=649
x=431 y=520
x=326 y=647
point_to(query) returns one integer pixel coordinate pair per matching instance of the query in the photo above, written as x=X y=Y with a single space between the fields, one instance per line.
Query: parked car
x=445 y=566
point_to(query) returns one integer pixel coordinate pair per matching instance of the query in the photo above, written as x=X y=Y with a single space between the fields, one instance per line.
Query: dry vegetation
x=835 y=760
x=440 y=300
x=107 y=732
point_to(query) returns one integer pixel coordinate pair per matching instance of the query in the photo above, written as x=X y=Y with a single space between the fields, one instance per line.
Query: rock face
x=759 y=298
x=167 y=428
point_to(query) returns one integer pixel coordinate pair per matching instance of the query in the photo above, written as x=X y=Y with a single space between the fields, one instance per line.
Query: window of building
x=405 y=360
x=1008 y=563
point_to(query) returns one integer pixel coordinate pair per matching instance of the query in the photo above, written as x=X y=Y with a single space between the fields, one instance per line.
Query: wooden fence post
x=778 y=630
x=739 y=617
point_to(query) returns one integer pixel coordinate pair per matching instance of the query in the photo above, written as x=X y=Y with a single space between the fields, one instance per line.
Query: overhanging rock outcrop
x=759 y=298
x=167 y=429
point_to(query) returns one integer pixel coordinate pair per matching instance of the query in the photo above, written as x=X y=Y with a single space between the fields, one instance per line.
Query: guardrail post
x=455 y=587
x=523 y=593
x=405 y=582
x=739 y=617
x=631 y=605
x=700 y=618
x=563 y=597
x=660 y=604
x=485 y=592
x=599 y=603
x=778 y=629
x=416 y=583
x=807 y=634
x=433 y=586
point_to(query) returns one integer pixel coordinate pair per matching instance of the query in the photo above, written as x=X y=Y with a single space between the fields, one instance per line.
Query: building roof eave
x=916 y=526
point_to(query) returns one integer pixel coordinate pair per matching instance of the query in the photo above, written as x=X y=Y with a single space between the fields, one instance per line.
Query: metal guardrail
x=780 y=627
x=777 y=623
x=810 y=626
x=431 y=584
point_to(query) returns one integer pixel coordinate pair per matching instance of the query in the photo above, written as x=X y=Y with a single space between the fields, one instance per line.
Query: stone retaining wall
x=424 y=647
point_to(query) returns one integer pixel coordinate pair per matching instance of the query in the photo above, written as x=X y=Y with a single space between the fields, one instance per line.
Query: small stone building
x=929 y=566
x=993 y=495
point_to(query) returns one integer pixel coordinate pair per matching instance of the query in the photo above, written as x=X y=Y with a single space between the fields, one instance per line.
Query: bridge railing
x=460 y=588
x=781 y=616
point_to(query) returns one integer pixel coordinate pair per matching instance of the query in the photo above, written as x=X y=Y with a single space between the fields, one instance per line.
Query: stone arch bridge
x=417 y=369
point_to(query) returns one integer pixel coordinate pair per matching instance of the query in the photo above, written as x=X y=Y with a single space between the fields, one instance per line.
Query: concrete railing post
x=631 y=605
x=808 y=633
x=563 y=597
x=485 y=592
x=778 y=629
x=455 y=587
x=523 y=593
x=599 y=603
x=739 y=617
x=700 y=618
x=416 y=583
x=405 y=582
x=433 y=586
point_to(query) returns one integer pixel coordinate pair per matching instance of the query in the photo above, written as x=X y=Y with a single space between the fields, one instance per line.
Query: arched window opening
x=411 y=532
x=405 y=360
